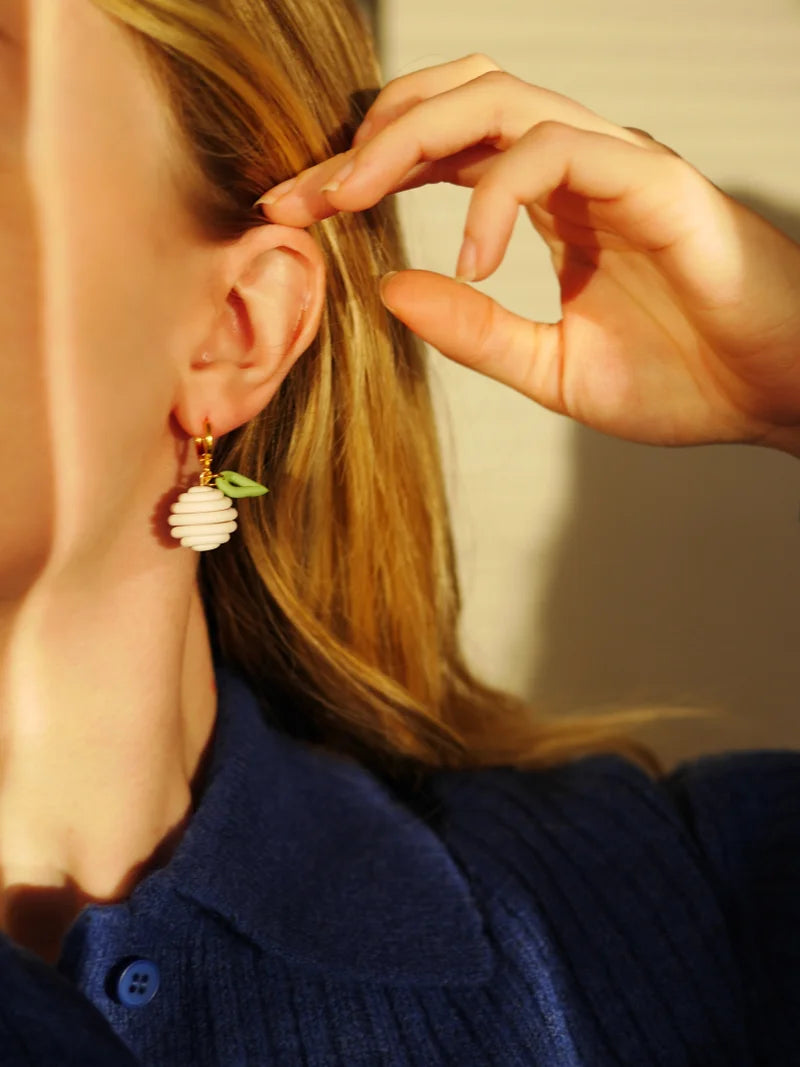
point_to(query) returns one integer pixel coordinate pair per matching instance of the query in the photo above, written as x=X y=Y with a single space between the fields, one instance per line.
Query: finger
x=651 y=138
x=508 y=106
x=470 y=328
x=396 y=97
x=618 y=190
x=305 y=204
x=417 y=137
x=644 y=133
x=465 y=168
x=495 y=108
x=402 y=93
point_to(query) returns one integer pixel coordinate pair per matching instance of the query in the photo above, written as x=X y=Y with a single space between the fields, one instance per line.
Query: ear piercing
x=202 y=518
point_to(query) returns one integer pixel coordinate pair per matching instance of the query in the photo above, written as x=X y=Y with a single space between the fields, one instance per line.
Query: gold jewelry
x=202 y=518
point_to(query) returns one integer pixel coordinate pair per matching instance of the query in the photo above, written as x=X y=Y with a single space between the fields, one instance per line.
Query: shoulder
x=740 y=807
x=588 y=812
x=743 y=812
x=689 y=885
x=724 y=810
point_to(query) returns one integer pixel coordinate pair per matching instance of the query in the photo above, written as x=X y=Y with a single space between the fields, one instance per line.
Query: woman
x=254 y=807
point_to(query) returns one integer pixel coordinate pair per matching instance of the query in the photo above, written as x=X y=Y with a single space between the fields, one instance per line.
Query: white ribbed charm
x=202 y=518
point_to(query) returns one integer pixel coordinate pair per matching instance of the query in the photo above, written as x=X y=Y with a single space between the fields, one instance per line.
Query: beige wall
x=595 y=570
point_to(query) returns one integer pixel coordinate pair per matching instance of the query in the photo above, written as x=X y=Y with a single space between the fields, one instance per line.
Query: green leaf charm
x=234 y=484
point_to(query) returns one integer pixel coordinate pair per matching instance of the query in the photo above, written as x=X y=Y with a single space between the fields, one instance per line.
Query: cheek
x=92 y=276
x=109 y=357
x=27 y=509
x=106 y=273
x=85 y=369
x=26 y=513
x=115 y=341
x=87 y=336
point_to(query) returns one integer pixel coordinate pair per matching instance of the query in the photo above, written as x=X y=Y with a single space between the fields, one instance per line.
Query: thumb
x=470 y=328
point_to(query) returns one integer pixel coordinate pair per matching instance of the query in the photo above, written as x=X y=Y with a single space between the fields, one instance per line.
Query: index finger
x=493 y=110
x=433 y=130
x=402 y=93
x=395 y=98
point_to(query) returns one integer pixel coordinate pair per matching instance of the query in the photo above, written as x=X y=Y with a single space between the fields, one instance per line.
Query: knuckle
x=551 y=129
x=482 y=61
x=642 y=133
x=684 y=181
x=682 y=171
x=670 y=151
x=651 y=142
x=493 y=76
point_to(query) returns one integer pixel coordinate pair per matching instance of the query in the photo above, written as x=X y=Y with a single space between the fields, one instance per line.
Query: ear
x=271 y=295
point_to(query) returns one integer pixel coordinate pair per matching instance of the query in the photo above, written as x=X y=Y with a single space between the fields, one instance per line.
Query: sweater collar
x=307 y=854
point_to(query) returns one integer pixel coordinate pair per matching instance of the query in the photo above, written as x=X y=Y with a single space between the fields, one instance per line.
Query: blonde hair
x=338 y=600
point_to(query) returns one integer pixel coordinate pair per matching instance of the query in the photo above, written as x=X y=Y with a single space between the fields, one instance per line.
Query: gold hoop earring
x=202 y=518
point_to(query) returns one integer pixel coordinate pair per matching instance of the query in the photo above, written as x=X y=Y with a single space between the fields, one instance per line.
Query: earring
x=202 y=518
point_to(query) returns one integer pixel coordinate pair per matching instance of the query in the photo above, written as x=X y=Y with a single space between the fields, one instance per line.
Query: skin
x=680 y=307
x=681 y=325
x=107 y=699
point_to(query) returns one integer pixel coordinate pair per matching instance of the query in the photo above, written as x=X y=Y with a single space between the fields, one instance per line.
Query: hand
x=680 y=307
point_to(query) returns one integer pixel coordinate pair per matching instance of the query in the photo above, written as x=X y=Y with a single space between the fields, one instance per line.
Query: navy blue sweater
x=582 y=915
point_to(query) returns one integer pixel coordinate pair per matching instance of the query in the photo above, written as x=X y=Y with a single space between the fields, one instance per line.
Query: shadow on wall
x=676 y=579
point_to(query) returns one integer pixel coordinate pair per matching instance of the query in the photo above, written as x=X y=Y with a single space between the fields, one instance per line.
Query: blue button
x=138 y=983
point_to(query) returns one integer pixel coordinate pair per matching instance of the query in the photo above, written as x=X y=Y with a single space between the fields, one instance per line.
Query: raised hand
x=680 y=307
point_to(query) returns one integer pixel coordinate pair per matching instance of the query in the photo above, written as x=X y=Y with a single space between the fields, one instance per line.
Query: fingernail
x=276 y=192
x=338 y=178
x=383 y=282
x=467 y=261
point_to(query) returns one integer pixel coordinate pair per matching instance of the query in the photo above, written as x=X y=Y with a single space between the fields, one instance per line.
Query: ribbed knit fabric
x=582 y=915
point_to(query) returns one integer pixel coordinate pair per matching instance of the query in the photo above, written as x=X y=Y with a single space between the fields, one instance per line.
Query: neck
x=107 y=703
